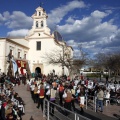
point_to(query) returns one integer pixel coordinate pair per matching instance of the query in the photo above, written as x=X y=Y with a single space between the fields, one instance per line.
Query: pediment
x=39 y=34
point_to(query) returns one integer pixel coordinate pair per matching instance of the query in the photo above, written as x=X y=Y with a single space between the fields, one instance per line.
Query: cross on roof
x=41 y=3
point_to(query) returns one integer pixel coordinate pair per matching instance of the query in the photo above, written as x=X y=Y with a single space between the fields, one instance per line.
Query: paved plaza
x=30 y=106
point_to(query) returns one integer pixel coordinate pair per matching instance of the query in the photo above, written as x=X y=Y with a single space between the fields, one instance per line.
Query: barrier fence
x=54 y=111
x=93 y=101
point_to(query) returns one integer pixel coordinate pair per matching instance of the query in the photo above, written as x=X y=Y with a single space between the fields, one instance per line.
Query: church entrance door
x=38 y=71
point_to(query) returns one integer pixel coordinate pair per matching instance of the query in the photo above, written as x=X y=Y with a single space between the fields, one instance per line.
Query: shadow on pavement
x=87 y=115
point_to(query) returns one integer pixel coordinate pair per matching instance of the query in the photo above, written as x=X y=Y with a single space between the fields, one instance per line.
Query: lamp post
x=100 y=76
x=63 y=61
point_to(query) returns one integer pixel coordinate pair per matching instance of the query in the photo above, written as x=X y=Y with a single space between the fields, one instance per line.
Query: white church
x=28 y=52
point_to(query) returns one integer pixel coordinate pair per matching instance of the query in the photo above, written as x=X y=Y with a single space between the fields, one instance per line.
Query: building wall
x=5 y=46
x=2 y=55
x=16 y=48
x=48 y=45
x=21 y=41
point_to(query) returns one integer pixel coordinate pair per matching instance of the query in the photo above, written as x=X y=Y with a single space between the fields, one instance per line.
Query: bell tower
x=39 y=24
x=39 y=19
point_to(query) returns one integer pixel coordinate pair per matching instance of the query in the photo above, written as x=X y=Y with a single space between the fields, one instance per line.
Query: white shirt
x=76 y=82
x=48 y=92
x=32 y=87
x=64 y=95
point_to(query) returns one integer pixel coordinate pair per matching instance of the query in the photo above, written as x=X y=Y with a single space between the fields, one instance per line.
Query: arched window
x=39 y=13
x=41 y=23
x=36 y=24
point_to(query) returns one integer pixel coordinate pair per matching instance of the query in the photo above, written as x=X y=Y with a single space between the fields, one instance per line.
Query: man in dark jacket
x=2 y=112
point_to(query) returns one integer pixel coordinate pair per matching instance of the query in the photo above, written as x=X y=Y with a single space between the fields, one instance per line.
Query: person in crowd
x=73 y=99
x=61 y=91
x=2 y=111
x=115 y=82
x=67 y=100
x=106 y=96
x=32 y=86
x=41 y=96
x=52 y=99
x=107 y=79
x=35 y=93
x=28 y=84
x=100 y=97
x=81 y=77
x=54 y=84
x=82 y=98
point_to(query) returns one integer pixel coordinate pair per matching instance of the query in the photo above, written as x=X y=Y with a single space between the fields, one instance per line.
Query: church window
x=39 y=13
x=24 y=56
x=11 y=52
x=41 y=23
x=36 y=24
x=18 y=54
x=38 y=34
x=38 y=45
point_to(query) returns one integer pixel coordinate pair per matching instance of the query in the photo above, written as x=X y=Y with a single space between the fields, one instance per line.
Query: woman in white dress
x=82 y=99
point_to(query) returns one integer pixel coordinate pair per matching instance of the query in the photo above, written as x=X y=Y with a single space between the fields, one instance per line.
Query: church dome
x=57 y=36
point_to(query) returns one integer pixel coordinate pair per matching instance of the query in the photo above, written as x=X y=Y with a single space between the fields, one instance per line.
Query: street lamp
x=100 y=76
x=101 y=73
x=63 y=61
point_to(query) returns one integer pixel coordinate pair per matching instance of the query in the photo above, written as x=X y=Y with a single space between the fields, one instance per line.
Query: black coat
x=2 y=113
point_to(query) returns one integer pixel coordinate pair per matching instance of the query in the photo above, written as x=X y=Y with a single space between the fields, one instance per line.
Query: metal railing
x=92 y=100
x=54 y=111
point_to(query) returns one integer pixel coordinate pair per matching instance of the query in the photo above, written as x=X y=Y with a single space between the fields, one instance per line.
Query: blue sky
x=93 y=23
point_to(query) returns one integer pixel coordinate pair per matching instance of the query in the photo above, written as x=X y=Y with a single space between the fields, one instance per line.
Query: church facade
x=29 y=51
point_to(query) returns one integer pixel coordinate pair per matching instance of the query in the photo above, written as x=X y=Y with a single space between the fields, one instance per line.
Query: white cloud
x=18 y=33
x=4 y=17
x=55 y=16
x=89 y=28
x=98 y=14
x=110 y=8
x=19 y=20
x=72 y=43
x=16 y=20
x=70 y=20
x=92 y=32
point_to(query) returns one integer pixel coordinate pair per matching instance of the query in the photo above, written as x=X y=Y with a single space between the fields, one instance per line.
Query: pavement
x=30 y=106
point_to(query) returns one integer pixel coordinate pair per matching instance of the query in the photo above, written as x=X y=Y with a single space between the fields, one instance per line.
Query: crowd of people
x=63 y=90
x=68 y=92
x=11 y=104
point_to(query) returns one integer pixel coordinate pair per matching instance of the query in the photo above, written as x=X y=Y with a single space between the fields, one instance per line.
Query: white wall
x=21 y=41
x=47 y=46
x=2 y=55
x=15 y=49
